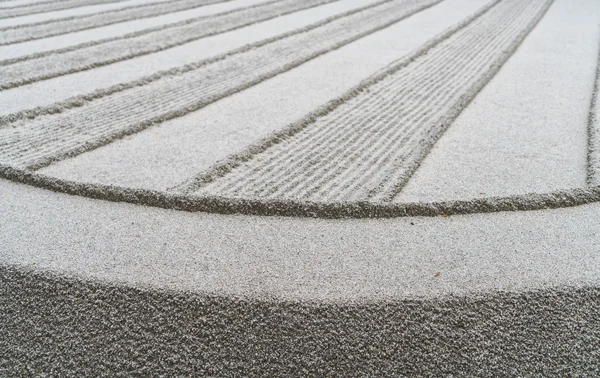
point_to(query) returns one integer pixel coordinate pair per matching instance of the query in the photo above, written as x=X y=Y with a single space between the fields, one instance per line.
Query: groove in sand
x=292 y=208
x=62 y=43
x=593 y=167
x=50 y=28
x=26 y=143
x=208 y=135
x=48 y=6
x=99 y=53
x=333 y=157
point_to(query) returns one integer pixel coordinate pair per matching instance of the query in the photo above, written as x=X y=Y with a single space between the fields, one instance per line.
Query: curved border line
x=362 y=209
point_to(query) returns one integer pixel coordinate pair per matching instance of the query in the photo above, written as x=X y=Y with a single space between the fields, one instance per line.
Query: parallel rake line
x=65 y=25
x=37 y=144
x=95 y=54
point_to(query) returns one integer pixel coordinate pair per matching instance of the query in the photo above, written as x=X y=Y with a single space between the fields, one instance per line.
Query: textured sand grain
x=299 y=258
x=593 y=171
x=367 y=147
x=113 y=264
x=51 y=17
x=43 y=7
x=74 y=327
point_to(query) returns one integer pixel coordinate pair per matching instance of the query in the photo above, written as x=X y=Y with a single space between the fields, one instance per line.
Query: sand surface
x=65 y=87
x=42 y=7
x=25 y=20
x=210 y=134
x=282 y=188
x=47 y=45
x=522 y=134
x=336 y=260
x=86 y=18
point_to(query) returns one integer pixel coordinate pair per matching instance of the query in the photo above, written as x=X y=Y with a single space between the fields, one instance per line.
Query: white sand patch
x=64 y=87
x=116 y=30
x=34 y=18
x=210 y=134
x=527 y=129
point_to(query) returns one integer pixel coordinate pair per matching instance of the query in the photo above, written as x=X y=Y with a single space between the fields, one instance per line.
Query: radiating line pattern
x=99 y=53
x=366 y=148
x=48 y=6
x=50 y=28
x=37 y=143
x=348 y=158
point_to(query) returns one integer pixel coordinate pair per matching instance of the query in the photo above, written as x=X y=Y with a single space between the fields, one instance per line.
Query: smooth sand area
x=527 y=129
x=203 y=137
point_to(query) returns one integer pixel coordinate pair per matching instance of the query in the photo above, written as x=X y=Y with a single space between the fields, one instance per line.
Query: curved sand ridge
x=102 y=288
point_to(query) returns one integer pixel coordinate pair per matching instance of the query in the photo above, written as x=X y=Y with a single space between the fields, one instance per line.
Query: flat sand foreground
x=284 y=188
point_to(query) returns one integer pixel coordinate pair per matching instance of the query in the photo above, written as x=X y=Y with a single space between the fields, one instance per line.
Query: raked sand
x=281 y=188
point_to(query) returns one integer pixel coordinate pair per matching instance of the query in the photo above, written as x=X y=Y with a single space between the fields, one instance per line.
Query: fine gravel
x=59 y=326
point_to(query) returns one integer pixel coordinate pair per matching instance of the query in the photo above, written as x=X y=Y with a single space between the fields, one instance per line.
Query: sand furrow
x=394 y=145
x=342 y=140
x=103 y=52
x=48 y=6
x=593 y=174
x=229 y=125
x=224 y=167
x=67 y=42
x=49 y=17
x=76 y=89
x=53 y=27
x=535 y=142
x=339 y=149
x=47 y=139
